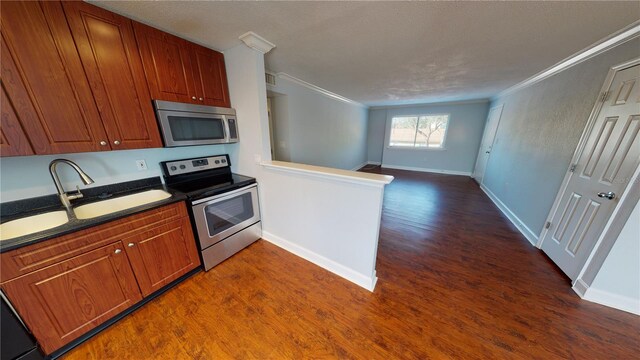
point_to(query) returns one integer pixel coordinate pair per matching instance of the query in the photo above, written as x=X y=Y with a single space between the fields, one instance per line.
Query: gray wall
x=466 y=124
x=375 y=135
x=539 y=130
x=312 y=128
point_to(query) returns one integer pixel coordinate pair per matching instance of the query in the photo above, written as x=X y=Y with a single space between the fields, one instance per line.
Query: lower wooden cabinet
x=63 y=301
x=64 y=287
x=162 y=254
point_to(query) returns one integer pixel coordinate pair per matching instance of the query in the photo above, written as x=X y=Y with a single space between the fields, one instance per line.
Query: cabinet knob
x=201 y=99
x=131 y=244
x=103 y=143
x=117 y=142
x=193 y=98
x=118 y=251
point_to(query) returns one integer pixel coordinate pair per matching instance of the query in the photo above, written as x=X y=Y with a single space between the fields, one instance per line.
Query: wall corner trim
x=256 y=42
x=355 y=277
x=524 y=230
x=320 y=90
x=621 y=36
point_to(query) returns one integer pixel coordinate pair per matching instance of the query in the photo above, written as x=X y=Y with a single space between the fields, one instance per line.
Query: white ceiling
x=382 y=53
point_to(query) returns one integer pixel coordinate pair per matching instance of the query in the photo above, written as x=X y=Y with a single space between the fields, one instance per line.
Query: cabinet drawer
x=63 y=301
x=30 y=258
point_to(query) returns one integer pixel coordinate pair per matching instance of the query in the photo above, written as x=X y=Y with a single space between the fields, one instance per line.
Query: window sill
x=415 y=148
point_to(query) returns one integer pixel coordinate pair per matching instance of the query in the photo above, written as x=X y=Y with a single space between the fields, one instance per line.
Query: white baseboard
x=616 y=301
x=437 y=171
x=355 y=277
x=580 y=287
x=374 y=163
x=530 y=235
x=359 y=166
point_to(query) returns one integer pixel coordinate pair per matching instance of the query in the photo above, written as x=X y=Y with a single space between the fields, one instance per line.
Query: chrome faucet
x=65 y=197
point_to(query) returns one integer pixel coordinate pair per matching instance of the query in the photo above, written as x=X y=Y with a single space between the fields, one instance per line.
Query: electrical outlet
x=141 y=165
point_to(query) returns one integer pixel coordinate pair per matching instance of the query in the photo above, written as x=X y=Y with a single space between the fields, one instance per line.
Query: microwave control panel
x=187 y=166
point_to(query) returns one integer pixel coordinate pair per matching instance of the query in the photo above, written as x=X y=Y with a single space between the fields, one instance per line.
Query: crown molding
x=623 y=35
x=256 y=42
x=320 y=90
x=427 y=104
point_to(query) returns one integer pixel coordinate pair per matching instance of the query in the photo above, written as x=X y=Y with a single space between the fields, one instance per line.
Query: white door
x=605 y=165
x=490 y=129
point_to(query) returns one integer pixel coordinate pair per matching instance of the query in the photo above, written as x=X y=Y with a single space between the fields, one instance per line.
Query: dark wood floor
x=456 y=280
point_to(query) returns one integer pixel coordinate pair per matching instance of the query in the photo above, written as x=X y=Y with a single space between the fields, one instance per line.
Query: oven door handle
x=223 y=196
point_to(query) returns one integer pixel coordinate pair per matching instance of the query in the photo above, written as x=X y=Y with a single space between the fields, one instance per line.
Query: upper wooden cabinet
x=44 y=78
x=13 y=140
x=178 y=70
x=109 y=54
x=210 y=76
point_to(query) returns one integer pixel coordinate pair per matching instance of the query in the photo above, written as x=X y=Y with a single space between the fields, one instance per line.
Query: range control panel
x=187 y=166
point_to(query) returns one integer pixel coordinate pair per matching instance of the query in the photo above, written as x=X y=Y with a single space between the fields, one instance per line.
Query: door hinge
x=547 y=225
x=604 y=96
x=572 y=168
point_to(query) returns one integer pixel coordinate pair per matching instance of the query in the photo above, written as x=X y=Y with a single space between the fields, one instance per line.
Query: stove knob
x=173 y=168
x=182 y=167
x=223 y=161
x=217 y=161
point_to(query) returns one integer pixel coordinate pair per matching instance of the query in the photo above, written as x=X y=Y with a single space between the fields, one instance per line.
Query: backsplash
x=28 y=176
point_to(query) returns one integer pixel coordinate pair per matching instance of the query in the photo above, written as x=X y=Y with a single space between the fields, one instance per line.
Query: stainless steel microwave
x=187 y=124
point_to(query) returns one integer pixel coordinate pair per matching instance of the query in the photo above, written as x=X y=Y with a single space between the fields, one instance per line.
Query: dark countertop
x=28 y=207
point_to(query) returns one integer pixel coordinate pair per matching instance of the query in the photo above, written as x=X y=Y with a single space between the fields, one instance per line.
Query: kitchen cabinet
x=13 y=140
x=178 y=70
x=74 y=74
x=66 y=286
x=109 y=54
x=43 y=76
x=63 y=301
x=162 y=254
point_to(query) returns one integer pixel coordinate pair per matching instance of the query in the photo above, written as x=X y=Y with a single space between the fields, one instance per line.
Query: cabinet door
x=13 y=140
x=42 y=72
x=63 y=301
x=162 y=254
x=110 y=57
x=167 y=64
x=211 y=76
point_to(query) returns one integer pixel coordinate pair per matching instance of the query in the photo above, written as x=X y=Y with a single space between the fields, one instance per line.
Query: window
x=420 y=132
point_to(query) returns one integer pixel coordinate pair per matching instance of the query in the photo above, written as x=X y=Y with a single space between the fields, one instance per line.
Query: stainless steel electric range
x=224 y=206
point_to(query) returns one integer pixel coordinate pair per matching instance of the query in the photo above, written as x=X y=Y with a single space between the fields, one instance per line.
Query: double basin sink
x=41 y=222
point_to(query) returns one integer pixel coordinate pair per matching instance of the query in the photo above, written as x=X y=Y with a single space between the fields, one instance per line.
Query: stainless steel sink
x=32 y=224
x=109 y=206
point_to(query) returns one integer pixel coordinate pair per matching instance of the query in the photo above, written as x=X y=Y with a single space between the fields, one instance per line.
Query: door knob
x=201 y=99
x=103 y=143
x=486 y=152
x=193 y=98
x=118 y=251
x=117 y=142
x=609 y=195
x=131 y=244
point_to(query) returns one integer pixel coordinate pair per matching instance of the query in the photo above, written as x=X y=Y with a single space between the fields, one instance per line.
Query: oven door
x=223 y=215
x=180 y=128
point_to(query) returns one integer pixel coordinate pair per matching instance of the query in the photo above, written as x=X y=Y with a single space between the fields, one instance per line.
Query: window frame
x=414 y=148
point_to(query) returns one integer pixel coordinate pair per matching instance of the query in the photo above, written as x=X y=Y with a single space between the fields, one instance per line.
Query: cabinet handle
x=131 y=244
x=117 y=142
x=118 y=251
x=103 y=143
x=201 y=99
x=193 y=98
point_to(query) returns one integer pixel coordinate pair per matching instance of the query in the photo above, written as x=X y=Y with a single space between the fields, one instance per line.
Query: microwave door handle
x=226 y=129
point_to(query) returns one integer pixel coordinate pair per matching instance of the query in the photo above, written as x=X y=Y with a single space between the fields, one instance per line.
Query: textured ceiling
x=381 y=53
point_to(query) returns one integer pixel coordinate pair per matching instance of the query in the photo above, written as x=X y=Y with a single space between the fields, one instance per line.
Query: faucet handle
x=75 y=195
